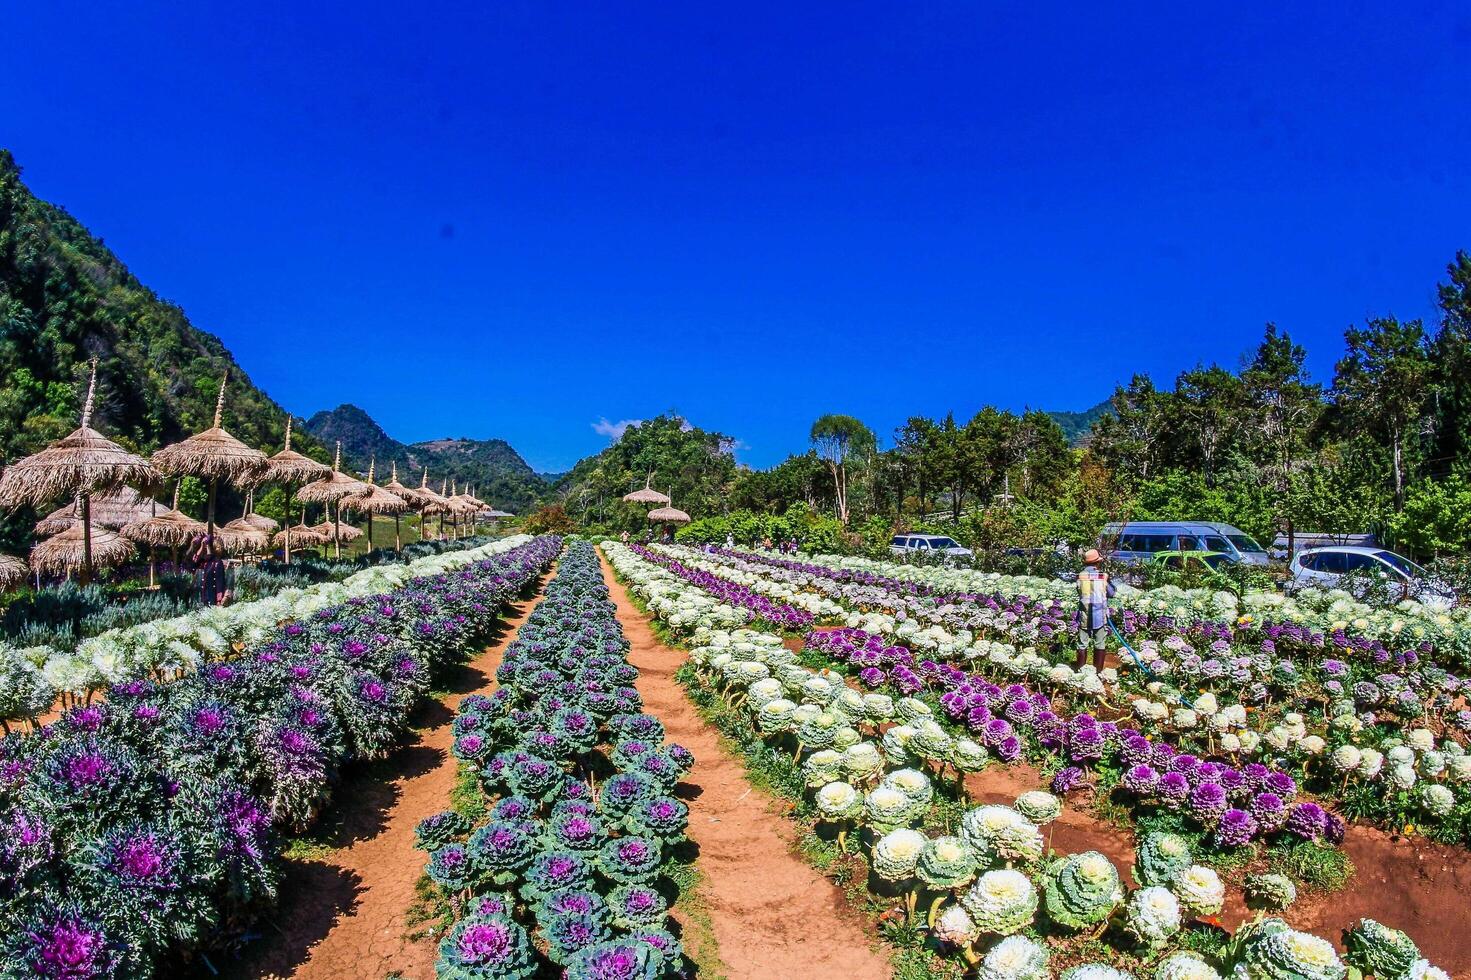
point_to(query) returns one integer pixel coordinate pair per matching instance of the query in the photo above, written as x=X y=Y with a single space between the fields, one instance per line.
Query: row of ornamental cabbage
x=992 y=890
x=138 y=831
x=1385 y=739
x=567 y=873
x=33 y=678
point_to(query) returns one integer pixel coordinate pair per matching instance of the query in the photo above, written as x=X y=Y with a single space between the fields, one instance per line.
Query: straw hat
x=290 y=466
x=332 y=487
x=65 y=552
x=1092 y=557
x=84 y=462
x=13 y=571
x=213 y=454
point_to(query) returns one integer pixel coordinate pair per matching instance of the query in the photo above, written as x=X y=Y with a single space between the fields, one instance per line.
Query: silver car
x=1325 y=567
x=928 y=544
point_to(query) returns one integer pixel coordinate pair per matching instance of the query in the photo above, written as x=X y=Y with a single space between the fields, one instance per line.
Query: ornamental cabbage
x=947 y=862
x=1095 y=971
x=1199 y=890
x=896 y=854
x=1273 y=951
x=1185 y=966
x=1152 y=915
x=1039 y=806
x=479 y=949
x=888 y=809
x=1001 y=902
x=1380 y=950
x=1014 y=958
x=1271 y=892
x=837 y=801
x=1161 y=856
x=1084 y=891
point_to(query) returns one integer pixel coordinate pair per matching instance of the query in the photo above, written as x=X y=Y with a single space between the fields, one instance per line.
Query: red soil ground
x=773 y=915
x=342 y=916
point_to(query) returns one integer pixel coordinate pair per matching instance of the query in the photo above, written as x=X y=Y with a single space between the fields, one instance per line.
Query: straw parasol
x=330 y=489
x=429 y=503
x=213 y=455
x=13 y=571
x=77 y=548
x=84 y=463
x=114 y=509
x=337 y=532
x=298 y=535
x=170 y=529
x=291 y=468
x=376 y=500
x=648 y=495
x=469 y=504
x=668 y=515
x=241 y=537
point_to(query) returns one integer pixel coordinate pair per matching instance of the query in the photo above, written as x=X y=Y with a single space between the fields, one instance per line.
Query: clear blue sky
x=753 y=214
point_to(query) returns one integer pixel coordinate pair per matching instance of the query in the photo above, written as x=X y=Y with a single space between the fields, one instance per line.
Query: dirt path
x=341 y=916
x=773 y=914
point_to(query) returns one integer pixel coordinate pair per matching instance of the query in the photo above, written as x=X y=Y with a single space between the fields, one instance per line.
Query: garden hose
x=1141 y=664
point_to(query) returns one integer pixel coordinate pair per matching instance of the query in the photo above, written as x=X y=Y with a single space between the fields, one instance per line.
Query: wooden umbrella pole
x=86 y=538
x=397 y=544
x=287 y=546
x=370 y=532
x=211 y=515
x=337 y=533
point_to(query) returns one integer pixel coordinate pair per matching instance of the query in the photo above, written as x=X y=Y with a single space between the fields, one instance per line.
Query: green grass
x=698 y=934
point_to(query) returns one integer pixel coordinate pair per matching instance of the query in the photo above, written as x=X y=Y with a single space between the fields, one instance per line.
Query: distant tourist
x=1095 y=588
x=766 y=543
x=623 y=537
x=216 y=576
x=729 y=540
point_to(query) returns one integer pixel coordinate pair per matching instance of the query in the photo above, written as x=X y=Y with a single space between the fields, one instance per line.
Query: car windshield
x=942 y=543
x=1401 y=564
x=1244 y=542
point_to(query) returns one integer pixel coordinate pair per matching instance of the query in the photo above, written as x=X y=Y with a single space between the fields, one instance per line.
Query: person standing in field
x=216 y=576
x=1095 y=588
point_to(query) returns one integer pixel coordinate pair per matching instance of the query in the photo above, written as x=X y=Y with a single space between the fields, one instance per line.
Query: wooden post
x=86 y=538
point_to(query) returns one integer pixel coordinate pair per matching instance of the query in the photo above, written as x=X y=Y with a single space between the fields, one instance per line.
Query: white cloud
x=614 y=430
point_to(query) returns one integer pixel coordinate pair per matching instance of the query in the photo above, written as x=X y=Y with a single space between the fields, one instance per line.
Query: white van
x=1135 y=542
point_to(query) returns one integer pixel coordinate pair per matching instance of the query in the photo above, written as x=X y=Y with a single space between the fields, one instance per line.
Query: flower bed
x=143 y=828
x=568 y=870
x=779 y=614
x=31 y=678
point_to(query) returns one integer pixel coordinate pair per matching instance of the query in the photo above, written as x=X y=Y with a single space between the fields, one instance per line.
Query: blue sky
x=528 y=219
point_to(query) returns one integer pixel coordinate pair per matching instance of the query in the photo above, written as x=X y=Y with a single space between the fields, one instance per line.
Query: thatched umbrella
x=337 y=532
x=291 y=468
x=12 y=571
x=648 y=495
x=241 y=537
x=170 y=529
x=330 y=490
x=83 y=464
x=213 y=455
x=376 y=500
x=407 y=494
x=77 y=548
x=668 y=515
x=470 y=505
x=115 y=509
x=429 y=503
x=298 y=535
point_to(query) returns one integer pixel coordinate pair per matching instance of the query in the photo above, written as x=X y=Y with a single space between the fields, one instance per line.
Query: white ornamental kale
x=1271 y=892
x=1001 y=902
x=1039 y=806
x=896 y=744
x=947 y=862
x=1084 y=890
x=1161 y=856
x=1152 y=915
x=1377 y=949
x=863 y=760
x=1014 y=958
x=896 y=854
x=982 y=825
x=888 y=809
x=912 y=783
x=1438 y=800
x=968 y=755
x=1199 y=889
x=1273 y=951
x=955 y=926
x=1185 y=966
x=823 y=767
x=838 y=801
x=1095 y=971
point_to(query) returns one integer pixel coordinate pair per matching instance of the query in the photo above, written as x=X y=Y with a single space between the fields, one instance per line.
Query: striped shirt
x=1095 y=588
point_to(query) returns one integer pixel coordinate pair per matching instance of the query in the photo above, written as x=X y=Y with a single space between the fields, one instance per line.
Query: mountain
x=497 y=472
x=1076 y=425
x=65 y=298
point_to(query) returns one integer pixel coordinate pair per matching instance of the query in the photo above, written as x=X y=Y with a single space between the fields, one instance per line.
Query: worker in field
x=1095 y=588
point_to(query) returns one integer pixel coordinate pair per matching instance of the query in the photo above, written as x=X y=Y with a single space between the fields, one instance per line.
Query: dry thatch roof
x=114 y=509
x=167 y=530
x=648 y=495
x=213 y=454
x=429 y=500
x=497 y=514
x=339 y=531
x=290 y=466
x=300 y=534
x=332 y=487
x=260 y=522
x=13 y=571
x=64 y=552
x=374 y=499
x=669 y=515
x=84 y=462
x=241 y=537
x=407 y=494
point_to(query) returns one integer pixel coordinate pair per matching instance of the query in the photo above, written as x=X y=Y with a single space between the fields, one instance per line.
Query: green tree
x=840 y=440
x=1283 y=407
x=1380 y=387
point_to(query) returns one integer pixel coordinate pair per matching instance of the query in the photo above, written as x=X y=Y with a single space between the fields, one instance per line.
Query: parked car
x=928 y=544
x=1326 y=567
x=1137 y=541
x=1192 y=561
